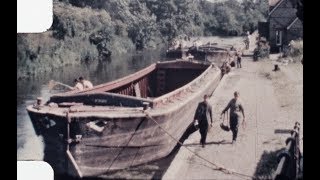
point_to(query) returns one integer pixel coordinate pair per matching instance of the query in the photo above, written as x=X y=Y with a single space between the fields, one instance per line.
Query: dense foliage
x=88 y=30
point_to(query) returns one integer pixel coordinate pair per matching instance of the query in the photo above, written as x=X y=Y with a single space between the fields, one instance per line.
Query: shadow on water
x=267 y=164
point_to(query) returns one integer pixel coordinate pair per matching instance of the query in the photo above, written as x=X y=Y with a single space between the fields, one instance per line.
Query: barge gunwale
x=117 y=112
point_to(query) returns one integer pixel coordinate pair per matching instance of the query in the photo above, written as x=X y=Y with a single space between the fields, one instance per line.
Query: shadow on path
x=209 y=143
x=267 y=164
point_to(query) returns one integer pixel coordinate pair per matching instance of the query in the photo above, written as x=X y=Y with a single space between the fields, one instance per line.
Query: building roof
x=276 y=5
x=292 y=23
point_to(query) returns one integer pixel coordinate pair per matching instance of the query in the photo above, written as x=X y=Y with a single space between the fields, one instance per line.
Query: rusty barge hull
x=109 y=129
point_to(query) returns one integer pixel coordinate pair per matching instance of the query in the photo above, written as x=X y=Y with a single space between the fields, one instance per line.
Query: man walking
x=202 y=115
x=238 y=60
x=235 y=108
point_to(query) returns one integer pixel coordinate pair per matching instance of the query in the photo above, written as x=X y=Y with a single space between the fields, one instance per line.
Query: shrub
x=296 y=48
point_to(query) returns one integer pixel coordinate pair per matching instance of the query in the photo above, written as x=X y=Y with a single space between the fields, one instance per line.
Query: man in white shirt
x=190 y=57
x=86 y=84
x=78 y=85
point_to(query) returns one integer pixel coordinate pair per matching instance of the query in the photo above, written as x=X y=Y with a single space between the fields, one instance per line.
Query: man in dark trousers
x=239 y=60
x=236 y=107
x=202 y=115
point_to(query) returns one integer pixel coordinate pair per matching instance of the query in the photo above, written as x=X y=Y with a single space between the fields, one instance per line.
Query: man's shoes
x=233 y=142
x=203 y=145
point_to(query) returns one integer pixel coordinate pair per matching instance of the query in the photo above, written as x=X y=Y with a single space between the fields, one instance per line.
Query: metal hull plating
x=90 y=140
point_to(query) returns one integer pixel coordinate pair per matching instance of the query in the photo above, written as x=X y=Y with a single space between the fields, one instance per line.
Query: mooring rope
x=123 y=147
x=218 y=167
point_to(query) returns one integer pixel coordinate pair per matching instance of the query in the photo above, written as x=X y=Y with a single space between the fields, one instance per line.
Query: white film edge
x=34 y=170
x=34 y=16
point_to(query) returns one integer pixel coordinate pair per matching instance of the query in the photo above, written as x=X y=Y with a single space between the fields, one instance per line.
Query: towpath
x=272 y=101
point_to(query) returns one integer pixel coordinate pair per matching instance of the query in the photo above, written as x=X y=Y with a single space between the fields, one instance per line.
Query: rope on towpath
x=218 y=167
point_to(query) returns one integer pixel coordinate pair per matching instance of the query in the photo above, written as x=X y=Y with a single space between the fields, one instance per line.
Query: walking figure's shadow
x=209 y=143
x=190 y=130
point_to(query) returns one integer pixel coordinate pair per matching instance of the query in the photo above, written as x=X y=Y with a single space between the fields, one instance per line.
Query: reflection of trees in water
x=136 y=61
x=102 y=69
x=121 y=65
x=25 y=89
x=145 y=58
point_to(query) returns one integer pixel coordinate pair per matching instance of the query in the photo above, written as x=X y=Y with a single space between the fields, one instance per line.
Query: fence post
x=289 y=159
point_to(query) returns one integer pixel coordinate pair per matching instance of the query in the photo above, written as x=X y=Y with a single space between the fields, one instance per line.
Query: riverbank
x=272 y=101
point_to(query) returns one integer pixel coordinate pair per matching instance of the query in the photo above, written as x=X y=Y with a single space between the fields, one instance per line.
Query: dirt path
x=272 y=100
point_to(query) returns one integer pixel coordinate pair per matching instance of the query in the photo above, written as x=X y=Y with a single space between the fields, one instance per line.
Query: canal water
x=30 y=146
